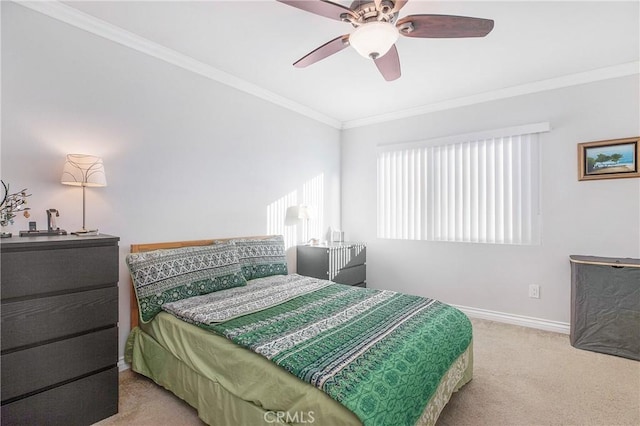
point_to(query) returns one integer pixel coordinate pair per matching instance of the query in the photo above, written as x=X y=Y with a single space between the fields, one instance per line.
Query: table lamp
x=304 y=214
x=83 y=170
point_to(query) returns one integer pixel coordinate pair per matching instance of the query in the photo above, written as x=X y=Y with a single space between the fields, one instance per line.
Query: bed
x=257 y=345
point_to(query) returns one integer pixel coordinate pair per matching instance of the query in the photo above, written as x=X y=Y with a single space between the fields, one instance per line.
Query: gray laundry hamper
x=605 y=305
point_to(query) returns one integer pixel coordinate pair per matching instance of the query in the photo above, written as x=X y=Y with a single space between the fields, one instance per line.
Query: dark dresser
x=344 y=263
x=59 y=329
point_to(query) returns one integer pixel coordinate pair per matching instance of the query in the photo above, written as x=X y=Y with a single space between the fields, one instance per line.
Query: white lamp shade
x=83 y=170
x=374 y=39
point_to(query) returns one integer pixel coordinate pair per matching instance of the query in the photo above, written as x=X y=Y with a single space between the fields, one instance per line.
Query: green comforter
x=380 y=353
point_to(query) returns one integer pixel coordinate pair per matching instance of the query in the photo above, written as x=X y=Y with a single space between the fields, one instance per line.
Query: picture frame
x=609 y=159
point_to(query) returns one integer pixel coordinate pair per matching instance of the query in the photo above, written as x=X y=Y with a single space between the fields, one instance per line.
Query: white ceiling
x=254 y=43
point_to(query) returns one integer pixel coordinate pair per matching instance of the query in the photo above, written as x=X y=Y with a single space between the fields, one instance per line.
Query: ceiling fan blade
x=327 y=49
x=444 y=26
x=399 y=4
x=389 y=64
x=321 y=7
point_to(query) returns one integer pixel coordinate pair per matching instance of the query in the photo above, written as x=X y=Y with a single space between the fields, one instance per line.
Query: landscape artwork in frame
x=611 y=159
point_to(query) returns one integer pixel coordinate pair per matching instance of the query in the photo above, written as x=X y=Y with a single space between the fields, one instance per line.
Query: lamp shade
x=374 y=39
x=83 y=170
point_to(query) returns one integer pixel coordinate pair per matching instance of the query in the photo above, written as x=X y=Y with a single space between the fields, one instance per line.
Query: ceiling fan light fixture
x=374 y=39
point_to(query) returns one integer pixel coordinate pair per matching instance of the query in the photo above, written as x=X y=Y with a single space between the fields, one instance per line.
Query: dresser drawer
x=28 y=273
x=351 y=276
x=46 y=365
x=26 y=322
x=357 y=255
x=82 y=402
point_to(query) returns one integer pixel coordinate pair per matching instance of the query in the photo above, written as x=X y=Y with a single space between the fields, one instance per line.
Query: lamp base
x=85 y=232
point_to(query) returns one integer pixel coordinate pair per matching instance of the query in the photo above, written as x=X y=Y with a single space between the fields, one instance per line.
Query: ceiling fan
x=377 y=28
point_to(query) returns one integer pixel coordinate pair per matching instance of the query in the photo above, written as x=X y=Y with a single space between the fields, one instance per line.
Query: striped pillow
x=262 y=258
x=162 y=276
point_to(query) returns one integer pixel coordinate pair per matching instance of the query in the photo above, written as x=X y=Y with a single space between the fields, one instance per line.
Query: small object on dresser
x=11 y=203
x=52 y=228
x=43 y=233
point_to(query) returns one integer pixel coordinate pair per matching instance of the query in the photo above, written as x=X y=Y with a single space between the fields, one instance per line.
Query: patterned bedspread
x=380 y=353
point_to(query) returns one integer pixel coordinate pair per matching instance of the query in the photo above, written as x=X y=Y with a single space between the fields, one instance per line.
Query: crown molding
x=599 y=74
x=84 y=21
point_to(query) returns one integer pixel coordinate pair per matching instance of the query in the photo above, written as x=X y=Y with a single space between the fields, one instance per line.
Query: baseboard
x=531 y=322
x=122 y=365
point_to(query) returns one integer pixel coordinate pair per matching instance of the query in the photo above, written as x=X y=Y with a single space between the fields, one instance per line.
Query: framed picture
x=612 y=159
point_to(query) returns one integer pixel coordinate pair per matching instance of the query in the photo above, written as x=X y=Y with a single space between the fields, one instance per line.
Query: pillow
x=262 y=258
x=162 y=276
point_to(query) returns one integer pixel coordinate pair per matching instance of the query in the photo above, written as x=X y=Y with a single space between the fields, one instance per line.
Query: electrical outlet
x=534 y=291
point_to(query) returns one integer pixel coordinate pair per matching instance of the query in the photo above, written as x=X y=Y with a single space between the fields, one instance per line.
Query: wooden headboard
x=137 y=248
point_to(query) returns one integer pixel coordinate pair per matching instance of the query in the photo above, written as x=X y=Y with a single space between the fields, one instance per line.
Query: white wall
x=599 y=218
x=185 y=157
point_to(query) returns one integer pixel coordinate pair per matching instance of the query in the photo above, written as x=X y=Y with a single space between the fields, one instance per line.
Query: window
x=480 y=188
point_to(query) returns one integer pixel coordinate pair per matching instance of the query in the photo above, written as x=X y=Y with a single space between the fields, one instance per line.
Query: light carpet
x=522 y=377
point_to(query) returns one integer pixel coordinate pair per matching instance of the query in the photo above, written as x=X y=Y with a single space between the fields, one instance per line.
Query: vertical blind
x=484 y=190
